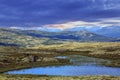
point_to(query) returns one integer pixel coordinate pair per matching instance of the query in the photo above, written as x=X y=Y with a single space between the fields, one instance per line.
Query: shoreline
x=95 y=50
x=44 y=77
x=39 y=64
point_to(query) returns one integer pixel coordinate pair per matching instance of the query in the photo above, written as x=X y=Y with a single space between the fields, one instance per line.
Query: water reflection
x=83 y=60
x=81 y=66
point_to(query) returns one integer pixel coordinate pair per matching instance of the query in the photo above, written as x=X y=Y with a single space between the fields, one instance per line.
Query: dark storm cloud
x=38 y=12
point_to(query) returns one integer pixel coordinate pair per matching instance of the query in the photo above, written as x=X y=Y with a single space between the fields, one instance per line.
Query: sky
x=59 y=14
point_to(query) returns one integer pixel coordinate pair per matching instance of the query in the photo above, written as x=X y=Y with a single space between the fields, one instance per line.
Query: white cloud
x=103 y=23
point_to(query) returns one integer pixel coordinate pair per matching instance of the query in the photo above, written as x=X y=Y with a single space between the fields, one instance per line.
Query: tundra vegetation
x=38 y=77
x=13 y=57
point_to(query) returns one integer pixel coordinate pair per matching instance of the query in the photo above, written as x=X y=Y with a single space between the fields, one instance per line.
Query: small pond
x=81 y=66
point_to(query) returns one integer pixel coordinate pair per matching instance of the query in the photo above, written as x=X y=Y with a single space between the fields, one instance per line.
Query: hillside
x=111 y=31
x=13 y=37
x=16 y=37
x=82 y=35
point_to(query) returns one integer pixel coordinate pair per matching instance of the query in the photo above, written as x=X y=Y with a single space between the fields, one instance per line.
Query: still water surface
x=81 y=66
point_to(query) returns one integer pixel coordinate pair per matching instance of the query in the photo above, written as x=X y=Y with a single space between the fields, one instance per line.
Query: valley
x=26 y=49
x=59 y=39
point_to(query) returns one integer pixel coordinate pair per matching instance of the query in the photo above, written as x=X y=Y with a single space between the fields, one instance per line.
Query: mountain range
x=111 y=31
x=17 y=37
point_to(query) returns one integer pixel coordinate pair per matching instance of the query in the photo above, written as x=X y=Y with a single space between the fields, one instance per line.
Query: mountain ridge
x=36 y=37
